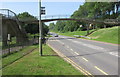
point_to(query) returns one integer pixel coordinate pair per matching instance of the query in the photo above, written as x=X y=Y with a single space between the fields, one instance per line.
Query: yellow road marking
x=84 y=59
x=73 y=63
x=100 y=70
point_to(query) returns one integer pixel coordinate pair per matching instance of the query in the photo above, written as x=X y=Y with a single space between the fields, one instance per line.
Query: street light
x=41 y=12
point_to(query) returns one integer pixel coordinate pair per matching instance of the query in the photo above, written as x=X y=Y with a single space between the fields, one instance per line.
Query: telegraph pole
x=40 y=30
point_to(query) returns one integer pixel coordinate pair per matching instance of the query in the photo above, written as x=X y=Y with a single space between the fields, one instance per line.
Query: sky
x=52 y=8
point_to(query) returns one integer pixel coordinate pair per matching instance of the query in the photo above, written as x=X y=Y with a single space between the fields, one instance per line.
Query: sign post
x=41 y=12
x=8 y=43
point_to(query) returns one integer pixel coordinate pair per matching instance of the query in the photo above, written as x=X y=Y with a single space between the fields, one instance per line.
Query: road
x=96 y=58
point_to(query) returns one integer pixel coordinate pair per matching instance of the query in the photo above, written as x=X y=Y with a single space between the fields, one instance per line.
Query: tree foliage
x=31 y=28
x=91 y=10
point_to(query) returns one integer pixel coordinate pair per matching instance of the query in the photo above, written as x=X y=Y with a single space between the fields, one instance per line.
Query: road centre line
x=73 y=63
x=71 y=49
x=90 y=46
x=84 y=59
x=96 y=48
x=100 y=70
x=76 y=53
x=87 y=60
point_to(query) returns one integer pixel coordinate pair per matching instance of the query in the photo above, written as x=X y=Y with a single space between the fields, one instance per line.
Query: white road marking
x=84 y=59
x=76 y=53
x=97 y=48
x=114 y=54
x=72 y=62
x=90 y=46
x=100 y=70
x=71 y=49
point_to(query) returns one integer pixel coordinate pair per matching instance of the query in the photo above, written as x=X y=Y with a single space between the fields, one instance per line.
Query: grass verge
x=15 y=56
x=71 y=34
x=109 y=35
x=34 y=64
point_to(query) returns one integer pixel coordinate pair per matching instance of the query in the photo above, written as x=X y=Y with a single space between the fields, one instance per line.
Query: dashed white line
x=71 y=49
x=76 y=53
x=100 y=70
x=84 y=59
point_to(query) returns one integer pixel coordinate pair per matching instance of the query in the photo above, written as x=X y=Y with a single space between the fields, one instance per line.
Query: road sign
x=8 y=37
x=42 y=10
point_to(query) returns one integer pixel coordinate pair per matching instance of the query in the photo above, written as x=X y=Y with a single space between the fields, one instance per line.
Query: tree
x=90 y=10
x=31 y=28
x=51 y=26
x=45 y=29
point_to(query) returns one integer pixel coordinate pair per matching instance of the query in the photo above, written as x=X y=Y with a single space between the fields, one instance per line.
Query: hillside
x=106 y=35
x=109 y=35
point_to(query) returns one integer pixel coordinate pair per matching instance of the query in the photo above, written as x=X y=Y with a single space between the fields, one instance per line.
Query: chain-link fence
x=14 y=46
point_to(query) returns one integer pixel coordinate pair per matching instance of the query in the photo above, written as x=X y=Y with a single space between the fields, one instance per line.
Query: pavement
x=90 y=57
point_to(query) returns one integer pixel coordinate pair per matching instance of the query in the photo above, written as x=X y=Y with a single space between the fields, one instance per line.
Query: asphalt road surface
x=95 y=57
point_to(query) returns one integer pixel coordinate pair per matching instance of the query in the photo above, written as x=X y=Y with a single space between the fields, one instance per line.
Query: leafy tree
x=51 y=26
x=45 y=29
x=89 y=10
x=31 y=28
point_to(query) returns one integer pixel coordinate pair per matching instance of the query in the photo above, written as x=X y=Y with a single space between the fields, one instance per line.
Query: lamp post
x=41 y=12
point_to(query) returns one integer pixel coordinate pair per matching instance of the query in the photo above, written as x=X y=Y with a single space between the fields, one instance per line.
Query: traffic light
x=42 y=10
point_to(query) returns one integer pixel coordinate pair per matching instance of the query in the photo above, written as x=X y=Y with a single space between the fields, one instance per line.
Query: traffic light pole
x=40 y=30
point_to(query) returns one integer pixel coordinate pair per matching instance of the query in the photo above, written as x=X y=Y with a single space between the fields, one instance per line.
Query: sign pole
x=9 y=43
x=40 y=30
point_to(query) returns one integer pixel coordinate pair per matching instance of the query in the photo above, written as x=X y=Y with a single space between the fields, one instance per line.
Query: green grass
x=11 y=58
x=74 y=33
x=109 y=35
x=34 y=64
x=81 y=33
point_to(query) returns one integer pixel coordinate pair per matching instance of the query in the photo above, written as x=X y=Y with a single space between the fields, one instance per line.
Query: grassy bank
x=109 y=35
x=82 y=33
x=13 y=57
x=34 y=64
